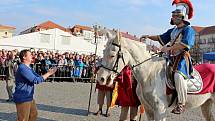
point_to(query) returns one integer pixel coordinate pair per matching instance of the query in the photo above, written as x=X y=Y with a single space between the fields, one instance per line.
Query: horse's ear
x=111 y=34
x=118 y=38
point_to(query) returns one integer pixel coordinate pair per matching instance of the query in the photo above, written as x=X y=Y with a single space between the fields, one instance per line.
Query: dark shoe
x=178 y=109
x=99 y=112
x=107 y=115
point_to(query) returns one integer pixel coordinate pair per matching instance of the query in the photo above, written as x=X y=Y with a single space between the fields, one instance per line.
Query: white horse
x=150 y=74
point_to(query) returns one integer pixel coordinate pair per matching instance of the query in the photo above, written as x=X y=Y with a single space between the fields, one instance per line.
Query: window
x=87 y=36
x=44 y=38
x=65 y=40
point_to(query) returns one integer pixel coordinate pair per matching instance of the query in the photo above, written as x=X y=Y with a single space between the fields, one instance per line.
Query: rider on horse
x=177 y=42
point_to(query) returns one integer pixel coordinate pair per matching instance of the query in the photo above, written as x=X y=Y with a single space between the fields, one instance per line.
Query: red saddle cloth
x=127 y=89
x=207 y=72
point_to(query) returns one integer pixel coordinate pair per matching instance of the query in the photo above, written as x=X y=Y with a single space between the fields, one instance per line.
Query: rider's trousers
x=181 y=88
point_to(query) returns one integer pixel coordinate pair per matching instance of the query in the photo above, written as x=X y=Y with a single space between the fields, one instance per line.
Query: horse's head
x=115 y=58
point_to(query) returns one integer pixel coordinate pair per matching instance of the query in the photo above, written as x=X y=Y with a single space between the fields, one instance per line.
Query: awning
x=209 y=56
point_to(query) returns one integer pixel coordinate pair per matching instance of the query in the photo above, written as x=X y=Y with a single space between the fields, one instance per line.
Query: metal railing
x=3 y=71
x=64 y=72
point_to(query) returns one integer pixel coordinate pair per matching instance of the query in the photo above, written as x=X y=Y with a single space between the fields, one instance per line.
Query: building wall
x=207 y=43
x=53 y=39
x=6 y=33
x=195 y=51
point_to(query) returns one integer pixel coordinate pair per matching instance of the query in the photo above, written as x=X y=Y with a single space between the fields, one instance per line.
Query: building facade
x=6 y=31
x=205 y=43
x=196 y=53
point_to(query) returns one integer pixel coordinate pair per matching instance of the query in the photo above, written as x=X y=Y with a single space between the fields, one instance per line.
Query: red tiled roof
x=83 y=27
x=6 y=27
x=126 y=35
x=198 y=28
x=208 y=30
x=50 y=25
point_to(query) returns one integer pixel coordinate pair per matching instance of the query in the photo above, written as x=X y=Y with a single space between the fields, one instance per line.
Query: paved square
x=67 y=101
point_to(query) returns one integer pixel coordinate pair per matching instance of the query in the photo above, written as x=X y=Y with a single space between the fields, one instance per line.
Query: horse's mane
x=139 y=48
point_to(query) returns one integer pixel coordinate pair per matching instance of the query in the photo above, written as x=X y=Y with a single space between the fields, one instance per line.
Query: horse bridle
x=119 y=55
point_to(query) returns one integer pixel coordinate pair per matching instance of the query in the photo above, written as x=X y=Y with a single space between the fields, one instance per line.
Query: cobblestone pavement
x=67 y=101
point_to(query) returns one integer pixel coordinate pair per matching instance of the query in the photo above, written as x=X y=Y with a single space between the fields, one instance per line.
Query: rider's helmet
x=184 y=9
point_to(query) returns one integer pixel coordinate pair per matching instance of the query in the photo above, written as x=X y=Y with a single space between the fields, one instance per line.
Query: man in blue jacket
x=25 y=79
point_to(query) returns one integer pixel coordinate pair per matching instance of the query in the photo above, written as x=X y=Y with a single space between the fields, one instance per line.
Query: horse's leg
x=155 y=107
x=149 y=113
x=206 y=110
x=156 y=111
x=152 y=114
x=159 y=107
x=160 y=113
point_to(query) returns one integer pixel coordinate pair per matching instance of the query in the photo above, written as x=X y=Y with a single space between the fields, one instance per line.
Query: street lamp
x=95 y=27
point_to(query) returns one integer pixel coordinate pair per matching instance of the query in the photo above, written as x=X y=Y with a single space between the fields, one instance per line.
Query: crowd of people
x=70 y=64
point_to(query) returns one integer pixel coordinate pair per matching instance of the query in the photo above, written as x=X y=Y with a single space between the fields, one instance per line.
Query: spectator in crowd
x=67 y=56
x=127 y=97
x=47 y=63
x=43 y=63
x=79 y=66
x=84 y=63
x=62 y=66
x=71 y=64
x=52 y=59
x=62 y=60
x=1 y=63
x=3 y=57
x=25 y=79
x=103 y=91
x=12 y=65
x=34 y=57
x=86 y=67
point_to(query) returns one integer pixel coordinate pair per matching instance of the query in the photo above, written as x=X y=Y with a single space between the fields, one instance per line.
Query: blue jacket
x=25 y=79
x=184 y=67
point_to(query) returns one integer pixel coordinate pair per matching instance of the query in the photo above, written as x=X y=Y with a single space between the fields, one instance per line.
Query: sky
x=138 y=17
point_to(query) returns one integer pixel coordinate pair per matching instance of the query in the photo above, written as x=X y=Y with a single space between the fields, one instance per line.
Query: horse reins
x=154 y=55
